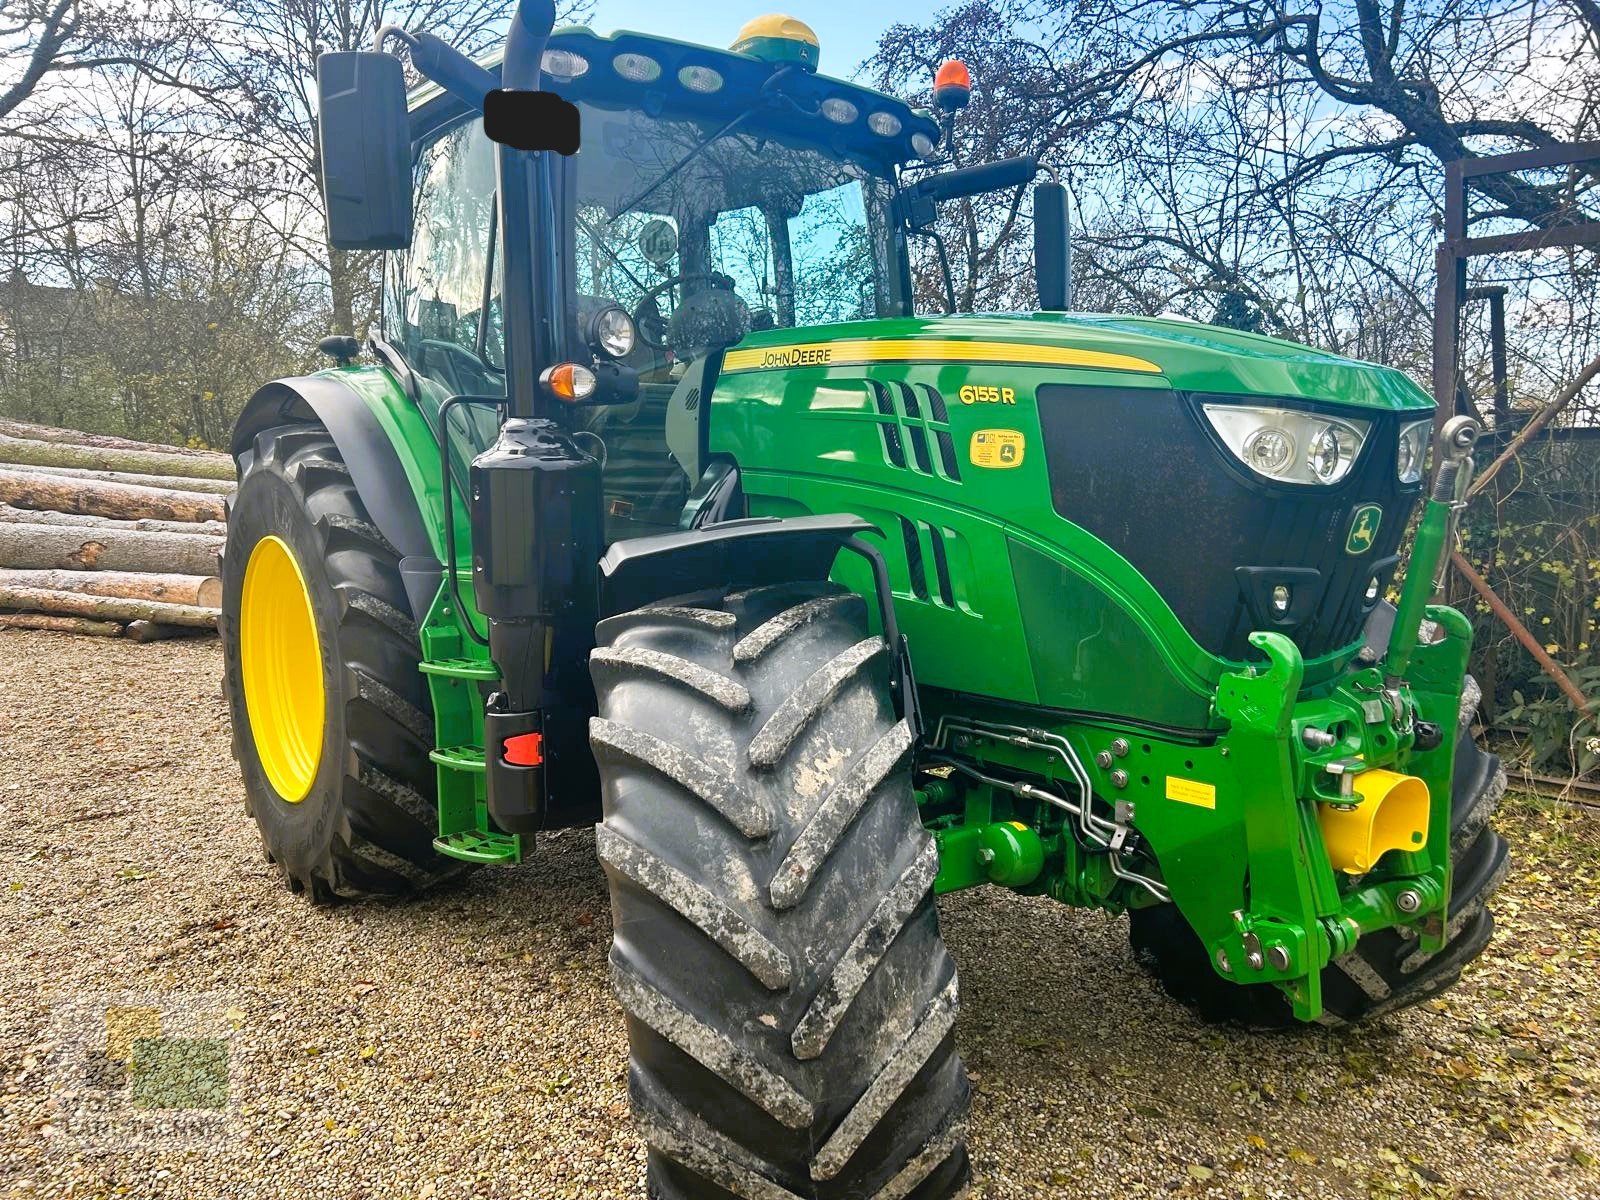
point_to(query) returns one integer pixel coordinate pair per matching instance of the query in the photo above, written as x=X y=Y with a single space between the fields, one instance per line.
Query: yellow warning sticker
x=998 y=448
x=1191 y=791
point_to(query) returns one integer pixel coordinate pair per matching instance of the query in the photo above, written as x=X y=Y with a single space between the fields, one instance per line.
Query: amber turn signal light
x=571 y=382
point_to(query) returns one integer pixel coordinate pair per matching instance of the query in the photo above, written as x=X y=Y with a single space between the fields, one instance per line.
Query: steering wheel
x=642 y=320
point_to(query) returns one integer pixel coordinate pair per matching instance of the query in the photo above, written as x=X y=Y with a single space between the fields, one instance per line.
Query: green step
x=477 y=847
x=459 y=758
x=462 y=668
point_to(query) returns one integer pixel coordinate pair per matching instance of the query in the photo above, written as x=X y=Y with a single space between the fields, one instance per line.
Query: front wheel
x=1386 y=970
x=790 y=1005
x=331 y=720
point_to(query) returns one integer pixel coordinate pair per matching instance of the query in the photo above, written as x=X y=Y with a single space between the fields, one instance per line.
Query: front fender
x=386 y=444
x=729 y=556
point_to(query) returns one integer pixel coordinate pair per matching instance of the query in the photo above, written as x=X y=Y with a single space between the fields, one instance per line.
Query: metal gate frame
x=1450 y=261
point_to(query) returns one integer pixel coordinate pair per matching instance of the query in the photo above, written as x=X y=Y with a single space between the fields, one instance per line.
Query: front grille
x=1140 y=470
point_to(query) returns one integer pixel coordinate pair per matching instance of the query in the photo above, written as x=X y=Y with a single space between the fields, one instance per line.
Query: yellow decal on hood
x=861 y=351
x=1001 y=449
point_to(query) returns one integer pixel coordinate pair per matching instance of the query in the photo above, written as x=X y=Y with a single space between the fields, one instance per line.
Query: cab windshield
x=667 y=208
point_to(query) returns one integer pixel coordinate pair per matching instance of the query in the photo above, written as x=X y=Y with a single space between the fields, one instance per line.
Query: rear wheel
x=331 y=717
x=790 y=1005
x=1386 y=970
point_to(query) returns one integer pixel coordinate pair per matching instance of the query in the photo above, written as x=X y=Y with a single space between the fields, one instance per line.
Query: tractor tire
x=790 y=1005
x=1386 y=971
x=331 y=718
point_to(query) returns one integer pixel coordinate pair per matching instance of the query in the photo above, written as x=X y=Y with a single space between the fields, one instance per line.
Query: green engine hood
x=1186 y=355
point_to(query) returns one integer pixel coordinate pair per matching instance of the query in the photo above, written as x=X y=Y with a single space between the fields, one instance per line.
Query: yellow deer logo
x=1363 y=529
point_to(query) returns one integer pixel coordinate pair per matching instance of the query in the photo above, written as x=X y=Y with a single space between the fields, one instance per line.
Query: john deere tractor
x=654 y=502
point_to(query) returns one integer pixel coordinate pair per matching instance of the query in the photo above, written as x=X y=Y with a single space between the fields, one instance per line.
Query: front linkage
x=1315 y=820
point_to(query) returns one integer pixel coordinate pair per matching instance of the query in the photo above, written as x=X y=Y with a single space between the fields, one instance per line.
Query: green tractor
x=659 y=505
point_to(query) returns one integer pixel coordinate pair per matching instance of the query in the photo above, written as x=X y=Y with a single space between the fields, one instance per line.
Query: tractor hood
x=1185 y=355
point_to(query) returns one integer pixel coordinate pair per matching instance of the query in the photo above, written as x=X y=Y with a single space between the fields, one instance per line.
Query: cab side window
x=434 y=309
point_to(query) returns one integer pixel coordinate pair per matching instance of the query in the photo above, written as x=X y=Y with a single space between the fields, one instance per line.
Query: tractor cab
x=715 y=194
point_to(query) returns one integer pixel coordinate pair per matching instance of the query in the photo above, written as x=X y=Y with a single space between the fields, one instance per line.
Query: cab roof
x=742 y=79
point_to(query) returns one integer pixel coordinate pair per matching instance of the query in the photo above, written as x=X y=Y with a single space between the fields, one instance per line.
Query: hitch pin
x=1345 y=771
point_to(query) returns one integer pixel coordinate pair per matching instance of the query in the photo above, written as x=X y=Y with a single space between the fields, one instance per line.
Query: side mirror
x=1052 y=247
x=923 y=196
x=365 y=138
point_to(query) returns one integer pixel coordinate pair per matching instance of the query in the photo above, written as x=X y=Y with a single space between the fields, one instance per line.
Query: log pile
x=109 y=537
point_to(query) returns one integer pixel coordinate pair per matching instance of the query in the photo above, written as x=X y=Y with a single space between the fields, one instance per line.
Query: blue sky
x=847 y=29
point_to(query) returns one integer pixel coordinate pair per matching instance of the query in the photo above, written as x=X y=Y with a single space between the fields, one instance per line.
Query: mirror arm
x=437 y=61
x=385 y=32
x=525 y=43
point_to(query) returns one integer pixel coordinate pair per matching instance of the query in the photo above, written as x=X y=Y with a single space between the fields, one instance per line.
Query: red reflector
x=525 y=750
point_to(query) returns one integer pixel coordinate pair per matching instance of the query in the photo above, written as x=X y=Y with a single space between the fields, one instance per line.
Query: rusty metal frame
x=1451 y=263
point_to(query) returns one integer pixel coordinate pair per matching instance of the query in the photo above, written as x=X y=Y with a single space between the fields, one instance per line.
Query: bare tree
x=1279 y=159
x=267 y=50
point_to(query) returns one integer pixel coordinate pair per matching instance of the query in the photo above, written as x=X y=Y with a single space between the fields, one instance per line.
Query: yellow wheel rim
x=281 y=661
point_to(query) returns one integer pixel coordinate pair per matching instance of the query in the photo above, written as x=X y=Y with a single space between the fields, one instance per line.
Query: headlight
x=1288 y=445
x=1413 y=449
x=612 y=332
x=636 y=68
x=839 y=110
x=564 y=65
x=1333 y=451
x=884 y=124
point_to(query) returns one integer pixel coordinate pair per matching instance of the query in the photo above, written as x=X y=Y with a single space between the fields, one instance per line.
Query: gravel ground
x=466 y=1044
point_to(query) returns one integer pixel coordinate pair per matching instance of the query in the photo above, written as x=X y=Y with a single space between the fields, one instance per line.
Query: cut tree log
x=105 y=608
x=60 y=624
x=204 y=590
x=96 y=458
x=149 y=631
x=104 y=441
x=125 y=501
x=29 y=516
x=181 y=483
x=83 y=548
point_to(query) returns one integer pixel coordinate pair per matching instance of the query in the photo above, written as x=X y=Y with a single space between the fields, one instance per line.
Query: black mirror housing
x=1052 y=247
x=365 y=144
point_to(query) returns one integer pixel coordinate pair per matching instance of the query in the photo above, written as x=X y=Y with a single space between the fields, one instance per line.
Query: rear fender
x=386 y=444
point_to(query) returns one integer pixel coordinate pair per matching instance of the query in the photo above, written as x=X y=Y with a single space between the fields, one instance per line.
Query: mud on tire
x=1386 y=971
x=790 y=1005
x=366 y=828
